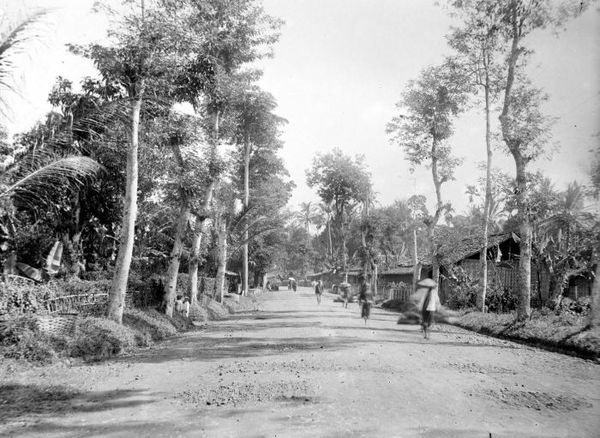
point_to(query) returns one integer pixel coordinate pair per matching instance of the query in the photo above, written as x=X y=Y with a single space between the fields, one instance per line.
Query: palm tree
x=39 y=182
x=308 y=215
x=325 y=216
x=36 y=179
x=15 y=40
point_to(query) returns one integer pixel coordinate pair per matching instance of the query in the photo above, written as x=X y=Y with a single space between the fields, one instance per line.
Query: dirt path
x=296 y=369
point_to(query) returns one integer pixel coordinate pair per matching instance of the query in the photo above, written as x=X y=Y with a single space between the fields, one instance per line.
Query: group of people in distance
x=427 y=294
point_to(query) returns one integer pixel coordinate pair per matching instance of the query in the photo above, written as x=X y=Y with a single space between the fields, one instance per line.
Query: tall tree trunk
x=557 y=280
x=483 y=280
x=437 y=182
x=194 y=263
x=246 y=203
x=525 y=231
x=201 y=229
x=116 y=294
x=416 y=265
x=366 y=261
x=180 y=229
x=222 y=258
x=175 y=257
x=72 y=258
x=524 y=307
x=329 y=240
x=374 y=280
x=595 y=314
x=435 y=264
x=344 y=251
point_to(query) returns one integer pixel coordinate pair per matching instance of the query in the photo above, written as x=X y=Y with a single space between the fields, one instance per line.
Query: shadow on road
x=214 y=349
x=114 y=428
x=18 y=400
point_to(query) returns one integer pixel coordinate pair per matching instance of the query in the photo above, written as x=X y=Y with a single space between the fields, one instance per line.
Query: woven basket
x=57 y=325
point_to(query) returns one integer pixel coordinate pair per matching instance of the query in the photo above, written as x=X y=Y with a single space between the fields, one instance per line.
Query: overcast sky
x=340 y=67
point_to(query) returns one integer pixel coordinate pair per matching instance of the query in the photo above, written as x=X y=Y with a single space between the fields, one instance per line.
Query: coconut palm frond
x=13 y=44
x=39 y=185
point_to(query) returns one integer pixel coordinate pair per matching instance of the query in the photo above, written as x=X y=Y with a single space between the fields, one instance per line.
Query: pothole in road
x=237 y=393
x=538 y=400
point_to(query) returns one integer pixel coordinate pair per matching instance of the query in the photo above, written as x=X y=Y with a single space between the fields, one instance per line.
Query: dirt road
x=296 y=369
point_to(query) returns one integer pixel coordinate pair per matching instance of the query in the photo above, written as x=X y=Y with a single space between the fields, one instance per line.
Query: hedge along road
x=297 y=369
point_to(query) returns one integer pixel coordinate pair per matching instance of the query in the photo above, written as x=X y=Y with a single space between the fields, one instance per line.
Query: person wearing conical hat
x=430 y=303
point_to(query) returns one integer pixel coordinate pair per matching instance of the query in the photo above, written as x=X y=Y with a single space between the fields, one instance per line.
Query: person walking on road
x=345 y=292
x=319 y=290
x=429 y=304
x=363 y=300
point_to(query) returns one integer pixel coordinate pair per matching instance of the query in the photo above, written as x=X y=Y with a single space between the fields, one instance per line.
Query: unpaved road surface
x=296 y=369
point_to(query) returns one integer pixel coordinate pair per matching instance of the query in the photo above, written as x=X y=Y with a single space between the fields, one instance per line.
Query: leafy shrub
x=33 y=240
x=206 y=285
x=244 y=304
x=181 y=323
x=22 y=296
x=76 y=286
x=150 y=326
x=216 y=311
x=94 y=338
x=97 y=275
x=582 y=305
x=178 y=322
x=183 y=282
x=20 y=339
x=231 y=305
x=463 y=291
x=500 y=300
x=198 y=313
x=145 y=293
x=99 y=338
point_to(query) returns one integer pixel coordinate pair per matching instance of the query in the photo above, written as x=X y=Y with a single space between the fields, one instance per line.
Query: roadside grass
x=216 y=311
x=149 y=328
x=100 y=338
x=241 y=304
x=93 y=338
x=567 y=332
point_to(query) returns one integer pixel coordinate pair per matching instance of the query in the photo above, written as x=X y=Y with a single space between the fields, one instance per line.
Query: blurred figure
x=429 y=304
x=319 y=290
x=345 y=292
x=364 y=300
